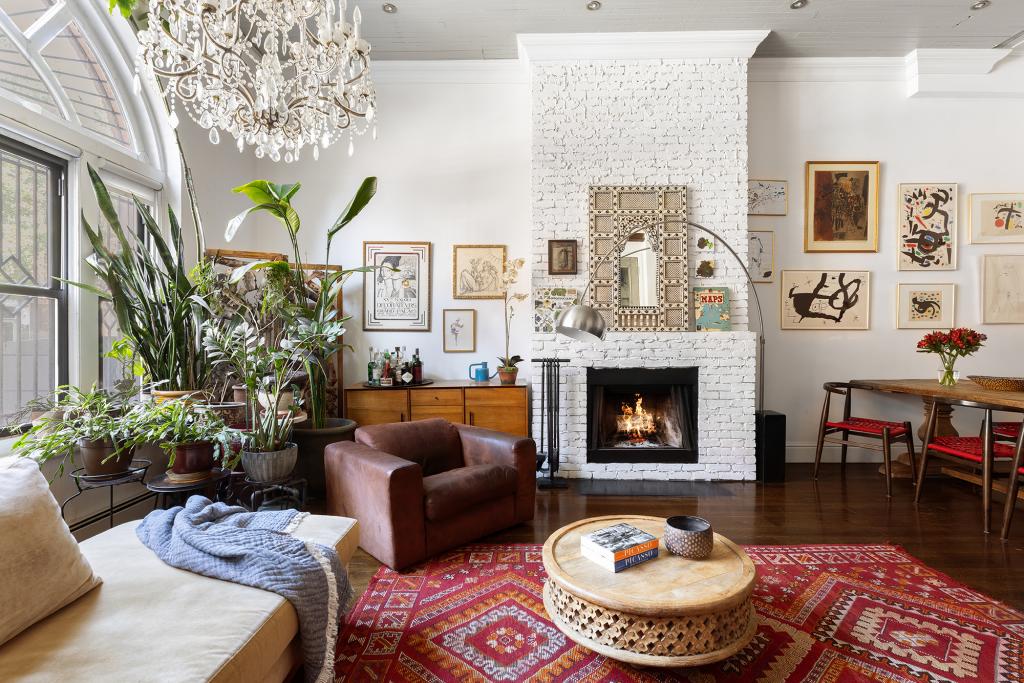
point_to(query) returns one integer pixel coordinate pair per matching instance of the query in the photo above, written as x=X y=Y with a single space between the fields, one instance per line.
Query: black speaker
x=771 y=446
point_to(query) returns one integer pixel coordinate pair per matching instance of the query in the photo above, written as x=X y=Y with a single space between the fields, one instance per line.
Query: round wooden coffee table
x=667 y=612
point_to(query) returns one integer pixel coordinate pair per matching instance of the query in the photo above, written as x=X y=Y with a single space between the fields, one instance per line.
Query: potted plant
x=193 y=438
x=91 y=422
x=508 y=368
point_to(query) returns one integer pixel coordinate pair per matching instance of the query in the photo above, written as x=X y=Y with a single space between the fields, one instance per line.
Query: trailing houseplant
x=950 y=346
x=193 y=438
x=508 y=368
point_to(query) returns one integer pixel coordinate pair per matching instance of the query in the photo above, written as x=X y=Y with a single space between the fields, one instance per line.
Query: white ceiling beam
x=963 y=73
x=561 y=47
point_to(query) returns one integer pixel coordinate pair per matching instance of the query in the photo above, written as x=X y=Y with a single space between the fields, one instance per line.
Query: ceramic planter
x=95 y=452
x=284 y=401
x=233 y=413
x=312 y=443
x=508 y=376
x=192 y=459
x=160 y=396
x=270 y=466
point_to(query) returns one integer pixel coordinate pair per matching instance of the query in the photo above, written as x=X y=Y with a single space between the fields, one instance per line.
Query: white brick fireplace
x=647 y=109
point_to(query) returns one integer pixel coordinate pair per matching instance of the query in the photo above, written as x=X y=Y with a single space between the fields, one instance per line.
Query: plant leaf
x=238 y=273
x=362 y=197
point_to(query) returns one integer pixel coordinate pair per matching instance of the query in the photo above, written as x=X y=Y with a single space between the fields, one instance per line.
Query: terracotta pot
x=312 y=443
x=508 y=376
x=270 y=466
x=193 y=458
x=94 y=453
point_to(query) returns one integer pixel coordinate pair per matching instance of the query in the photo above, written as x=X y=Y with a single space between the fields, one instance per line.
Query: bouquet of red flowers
x=957 y=343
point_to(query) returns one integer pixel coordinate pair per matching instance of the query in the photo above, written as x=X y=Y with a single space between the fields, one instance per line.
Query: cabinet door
x=443 y=403
x=503 y=409
x=377 y=406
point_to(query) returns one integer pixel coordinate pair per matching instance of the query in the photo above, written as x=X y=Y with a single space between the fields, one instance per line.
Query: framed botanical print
x=925 y=306
x=927 y=226
x=767 y=197
x=841 y=206
x=761 y=255
x=477 y=271
x=459 y=330
x=826 y=299
x=997 y=218
x=1002 y=288
x=562 y=257
x=396 y=296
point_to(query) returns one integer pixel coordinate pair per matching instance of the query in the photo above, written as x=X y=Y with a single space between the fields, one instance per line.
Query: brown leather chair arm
x=385 y=494
x=487 y=447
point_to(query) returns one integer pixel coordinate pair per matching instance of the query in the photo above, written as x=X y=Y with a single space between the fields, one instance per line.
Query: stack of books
x=619 y=547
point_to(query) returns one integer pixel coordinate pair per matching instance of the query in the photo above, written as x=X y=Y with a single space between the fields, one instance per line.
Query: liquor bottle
x=378 y=364
x=417 y=368
x=369 y=368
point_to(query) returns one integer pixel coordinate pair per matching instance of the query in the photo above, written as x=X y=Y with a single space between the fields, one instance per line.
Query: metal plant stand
x=550 y=405
x=286 y=494
x=136 y=472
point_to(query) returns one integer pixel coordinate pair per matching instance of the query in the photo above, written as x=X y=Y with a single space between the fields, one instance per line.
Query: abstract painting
x=459 y=330
x=841 y=212
x=477 y=271
x=396 y=296
x=761 y=255
x=1002 y=288
x=767 y=197
x=826 y=299
x=711 y=309
x=925 y=306
x=927 y=226
x=706 y=268
x=706 y=243
x=997 y=218
x=548 y=304
x=562 y=257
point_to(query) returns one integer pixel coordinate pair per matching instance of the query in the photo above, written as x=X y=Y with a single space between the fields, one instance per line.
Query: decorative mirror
x=645 y=288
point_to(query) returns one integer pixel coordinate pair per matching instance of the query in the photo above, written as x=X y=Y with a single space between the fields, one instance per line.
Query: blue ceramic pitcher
x=478 y=372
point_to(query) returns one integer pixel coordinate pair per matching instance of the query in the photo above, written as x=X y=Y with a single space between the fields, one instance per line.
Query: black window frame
x=58 y=230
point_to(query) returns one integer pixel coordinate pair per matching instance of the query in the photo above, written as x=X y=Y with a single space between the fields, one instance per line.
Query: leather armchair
x=420 y=488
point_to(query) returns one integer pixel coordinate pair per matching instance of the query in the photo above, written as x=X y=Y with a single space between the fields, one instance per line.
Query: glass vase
x=948 y=377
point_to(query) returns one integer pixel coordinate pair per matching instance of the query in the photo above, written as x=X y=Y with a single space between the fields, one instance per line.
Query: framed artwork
x=761 y=255
x=927 y=226
x=767 y=197
x=477 y=271
x=459 y=330
x=562 y=257
x=826 y=299
x=925 y=306
x=711 y=309
x=841 y=206
x=396 y=296
x=706 y=268
x=705 y=243
x=548 y=304
x=997 y=218
x=1002 y=288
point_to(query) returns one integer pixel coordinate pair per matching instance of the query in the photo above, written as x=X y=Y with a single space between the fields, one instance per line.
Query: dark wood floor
x=944 y=531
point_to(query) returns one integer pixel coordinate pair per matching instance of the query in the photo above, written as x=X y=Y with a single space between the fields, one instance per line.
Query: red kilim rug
x=835 y=613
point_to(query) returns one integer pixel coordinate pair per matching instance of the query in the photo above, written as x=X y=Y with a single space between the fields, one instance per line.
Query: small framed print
x=477 y=271
x=1002 y=288
x=562 y=257
x=761 y=255
x=927 y=226
x=997 y=218
x=706 y=268
x=826 y=299
x=459 y=330
x=925 y=306
x=841 y=206
x=396 y=296
x=767 y=197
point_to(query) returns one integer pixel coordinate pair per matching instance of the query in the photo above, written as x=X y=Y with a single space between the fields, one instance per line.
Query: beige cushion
x=41 y=567
x=152 y=622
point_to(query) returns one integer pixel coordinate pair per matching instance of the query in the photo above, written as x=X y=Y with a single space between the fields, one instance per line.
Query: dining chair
x=1006 y=431
x=981 y=450
x=1016 y=470
x=860 y=427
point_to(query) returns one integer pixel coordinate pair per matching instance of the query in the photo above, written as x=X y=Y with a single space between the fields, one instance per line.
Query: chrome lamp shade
x=582 y=323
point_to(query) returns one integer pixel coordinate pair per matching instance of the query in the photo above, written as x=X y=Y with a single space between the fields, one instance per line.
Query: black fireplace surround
x=642 y=415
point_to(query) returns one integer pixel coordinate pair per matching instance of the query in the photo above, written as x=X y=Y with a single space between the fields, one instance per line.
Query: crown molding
x=825 y=69
x=562 y=47
x=450 y=71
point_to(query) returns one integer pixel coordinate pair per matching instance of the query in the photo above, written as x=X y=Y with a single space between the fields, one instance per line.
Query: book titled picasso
x=619 y=547
x=711 y=308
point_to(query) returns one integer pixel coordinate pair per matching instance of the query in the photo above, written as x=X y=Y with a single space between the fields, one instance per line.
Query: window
x=33 y=304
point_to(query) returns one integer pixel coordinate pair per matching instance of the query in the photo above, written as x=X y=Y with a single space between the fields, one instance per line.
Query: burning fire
x=635 y=421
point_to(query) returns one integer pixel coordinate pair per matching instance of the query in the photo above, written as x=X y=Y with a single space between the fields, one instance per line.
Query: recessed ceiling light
x=389 y=8
x=593 y=5
x=798 y=4
x=981 y=4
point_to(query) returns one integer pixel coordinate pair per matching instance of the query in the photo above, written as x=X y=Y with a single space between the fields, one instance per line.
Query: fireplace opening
x=642 y=415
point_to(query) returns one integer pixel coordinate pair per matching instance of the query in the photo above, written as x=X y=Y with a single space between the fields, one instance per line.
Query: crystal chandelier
x=278 y=75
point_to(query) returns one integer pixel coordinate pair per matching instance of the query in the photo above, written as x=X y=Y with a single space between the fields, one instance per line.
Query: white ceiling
x=486 y=29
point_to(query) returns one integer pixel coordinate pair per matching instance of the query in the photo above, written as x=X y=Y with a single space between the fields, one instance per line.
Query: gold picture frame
x=403 y=268
x=840 y=203
x=937 y=212
x=450 y=337
x=477 y=271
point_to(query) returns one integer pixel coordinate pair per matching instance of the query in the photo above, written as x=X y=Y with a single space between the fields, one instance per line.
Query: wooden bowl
x=998 y=383
x=689 y=537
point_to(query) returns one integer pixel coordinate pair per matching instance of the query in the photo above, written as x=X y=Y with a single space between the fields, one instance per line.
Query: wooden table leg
x=943 y=427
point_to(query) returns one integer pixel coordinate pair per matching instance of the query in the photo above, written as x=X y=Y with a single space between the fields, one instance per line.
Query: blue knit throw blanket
x=257 y=549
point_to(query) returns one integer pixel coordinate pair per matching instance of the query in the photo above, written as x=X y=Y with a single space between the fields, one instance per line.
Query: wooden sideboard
x=504 y=408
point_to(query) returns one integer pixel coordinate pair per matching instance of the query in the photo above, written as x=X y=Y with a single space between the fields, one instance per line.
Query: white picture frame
x=459 y=328
x=396 y=295
x=988 y=208
x=767 y=197
x=926 y=306
x=761 y=255
x=927 y=226
x=1002 y=289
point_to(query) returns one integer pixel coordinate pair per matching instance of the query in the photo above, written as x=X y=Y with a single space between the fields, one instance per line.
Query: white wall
x=974 y=142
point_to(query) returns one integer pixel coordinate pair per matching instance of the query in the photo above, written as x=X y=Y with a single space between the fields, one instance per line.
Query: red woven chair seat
x=968 y=447
x=863 y=425
x=1006 y=430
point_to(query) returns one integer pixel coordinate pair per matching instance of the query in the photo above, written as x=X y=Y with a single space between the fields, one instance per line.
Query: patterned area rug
x=835 y=613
